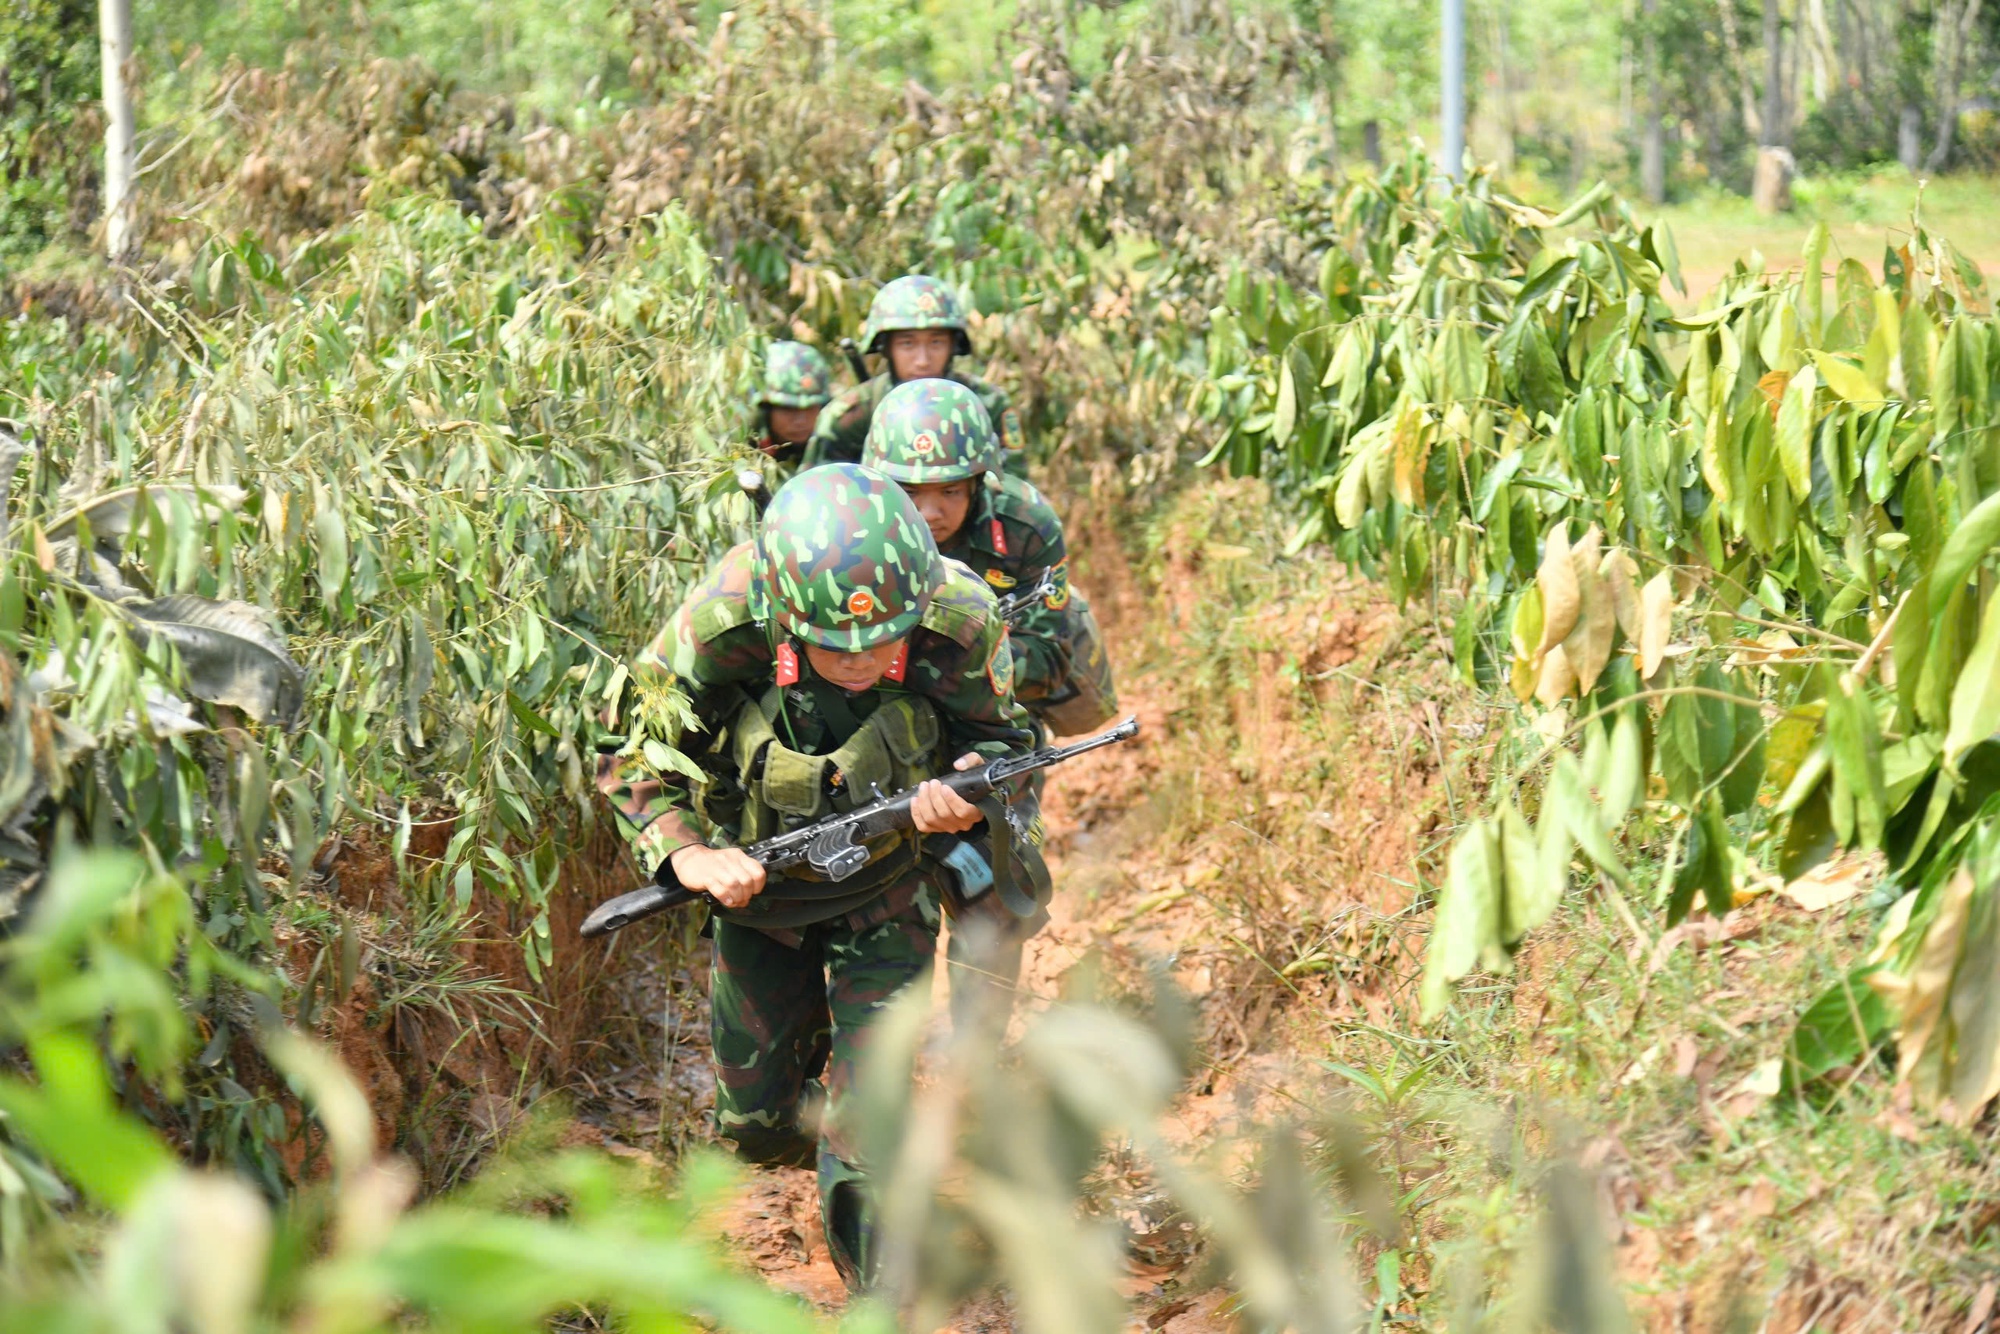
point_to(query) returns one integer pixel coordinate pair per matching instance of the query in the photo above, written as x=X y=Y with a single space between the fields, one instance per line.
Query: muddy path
x=1287 y=857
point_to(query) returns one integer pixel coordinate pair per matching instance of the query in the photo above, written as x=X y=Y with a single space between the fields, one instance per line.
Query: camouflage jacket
x=959 y=659
x=1010 y=538
x=843 y=423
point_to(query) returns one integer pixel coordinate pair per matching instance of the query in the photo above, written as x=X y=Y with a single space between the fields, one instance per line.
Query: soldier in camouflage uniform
x=835 y=654
x=917 y=325
x=797 y=385
x=933 y=436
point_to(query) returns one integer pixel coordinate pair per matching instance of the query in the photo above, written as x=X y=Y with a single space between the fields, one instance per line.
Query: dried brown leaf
x=1557 y=580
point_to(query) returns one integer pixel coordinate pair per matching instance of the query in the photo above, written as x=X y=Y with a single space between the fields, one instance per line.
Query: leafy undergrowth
x=1275 y=840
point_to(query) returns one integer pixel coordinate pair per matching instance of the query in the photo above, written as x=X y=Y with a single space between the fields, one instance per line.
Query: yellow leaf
x=1918 y=996
x=1556 y=679
x=1621 y=576
x=1412 y=443
x=45 y=555
x=1847 y=380
x=1588 y=644
x=1656 y=622
x=1557 y=581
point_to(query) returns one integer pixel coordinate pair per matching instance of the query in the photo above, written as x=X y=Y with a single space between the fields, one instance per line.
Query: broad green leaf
x=330 y=530
x=1286 y=414
x=1567 y=800
x=1975 y=700
x=1964 y=548
x=1794 y=431
x=1812 y=282
x=1467 y=926
x=1705 y=865
x=1535 y=871
x=1854 y=738
x=1848 y=1020
x=68 y=1115
x=1809 y=834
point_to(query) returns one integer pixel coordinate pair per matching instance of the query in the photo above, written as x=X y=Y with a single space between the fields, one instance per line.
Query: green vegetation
x=336 y=513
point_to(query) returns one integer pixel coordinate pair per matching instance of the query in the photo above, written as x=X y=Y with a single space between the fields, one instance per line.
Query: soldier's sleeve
x=691 y=660
x=975 y=697
x=1041 y=655
x=1006 y=425
x=966 y=668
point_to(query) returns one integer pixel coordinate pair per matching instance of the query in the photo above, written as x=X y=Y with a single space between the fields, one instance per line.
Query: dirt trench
x=1127 y=894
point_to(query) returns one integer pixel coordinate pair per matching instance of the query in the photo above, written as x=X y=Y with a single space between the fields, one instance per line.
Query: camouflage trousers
x=788 y=1022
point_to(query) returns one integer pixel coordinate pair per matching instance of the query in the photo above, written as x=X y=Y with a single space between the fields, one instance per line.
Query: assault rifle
x=1015 y=605
x=834 y=846
x=855 y=361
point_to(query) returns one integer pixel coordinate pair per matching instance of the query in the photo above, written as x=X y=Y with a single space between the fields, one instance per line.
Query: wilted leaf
x=1556 y=679
x=1588 y=643
x=1656 y=623
x=1833 y=882
x=1918 y=990
x=1621 y=577
x=1411 y=440
x=1557 y=581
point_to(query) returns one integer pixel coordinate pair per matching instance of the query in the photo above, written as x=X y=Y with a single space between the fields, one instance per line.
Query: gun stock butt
x=626 y=909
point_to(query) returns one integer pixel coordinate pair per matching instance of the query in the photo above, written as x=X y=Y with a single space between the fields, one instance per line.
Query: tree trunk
x=1652 y=128
x=1503 y=68
x=115 y=32
x=1771 y=184
x=1371 y=142
x=1955 y=25
x=1732 y=44
x=1910 y=137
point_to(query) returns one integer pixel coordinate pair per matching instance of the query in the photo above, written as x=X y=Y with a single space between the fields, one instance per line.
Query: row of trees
x=1680 y=92
x=1665 y=94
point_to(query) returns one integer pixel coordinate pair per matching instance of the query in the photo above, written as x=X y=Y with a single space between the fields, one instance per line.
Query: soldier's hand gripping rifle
x=834 y=846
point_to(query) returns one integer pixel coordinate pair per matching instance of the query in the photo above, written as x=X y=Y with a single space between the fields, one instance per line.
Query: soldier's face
x=944 y=506
x=792 y=426
x=919 y=354
x=853 y=672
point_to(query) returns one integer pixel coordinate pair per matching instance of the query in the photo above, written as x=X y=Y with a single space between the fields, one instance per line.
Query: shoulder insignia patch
x=788 y=664
x=1000 y=579
x=1058 y=596
x=1000 y=667
x=999 y=537
x=900 y=667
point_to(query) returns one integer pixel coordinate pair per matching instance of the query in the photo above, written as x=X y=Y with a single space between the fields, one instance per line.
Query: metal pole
x=1452 y=101
x=115 y=33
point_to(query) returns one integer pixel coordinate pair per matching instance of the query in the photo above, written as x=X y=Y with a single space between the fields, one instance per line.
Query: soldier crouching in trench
x=836 y=655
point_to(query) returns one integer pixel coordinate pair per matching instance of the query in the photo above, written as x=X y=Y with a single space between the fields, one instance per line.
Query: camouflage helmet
x=931 y=431
x=916 y=302
x=844 y=560
x=795 y=376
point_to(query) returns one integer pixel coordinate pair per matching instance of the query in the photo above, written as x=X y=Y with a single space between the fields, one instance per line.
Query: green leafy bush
x=1735 y=563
